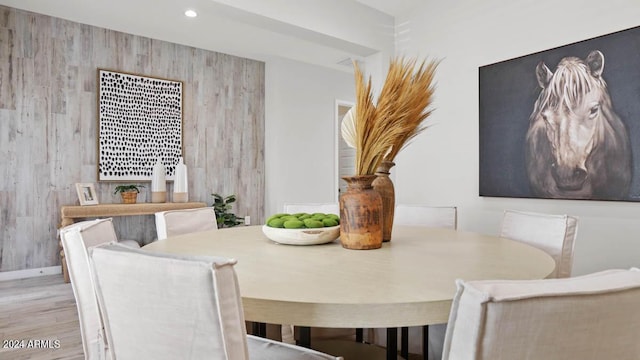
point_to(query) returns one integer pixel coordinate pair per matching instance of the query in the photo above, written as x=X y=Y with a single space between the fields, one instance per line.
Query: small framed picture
x=86 y=194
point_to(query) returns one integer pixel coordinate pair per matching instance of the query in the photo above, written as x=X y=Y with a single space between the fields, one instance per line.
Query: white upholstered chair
x=187 y=307
x=423 y=215
x=428 y=216
x=555 y=234
x=76 y=240
x=589 y=317
x=325 y=208
x=178 y=222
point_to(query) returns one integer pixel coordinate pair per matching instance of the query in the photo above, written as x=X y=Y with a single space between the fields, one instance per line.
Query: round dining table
x=410 y=281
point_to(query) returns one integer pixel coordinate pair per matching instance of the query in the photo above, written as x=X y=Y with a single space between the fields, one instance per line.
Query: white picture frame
x=87 y=194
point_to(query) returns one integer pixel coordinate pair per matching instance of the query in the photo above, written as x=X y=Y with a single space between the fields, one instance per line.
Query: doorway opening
x=345 y=155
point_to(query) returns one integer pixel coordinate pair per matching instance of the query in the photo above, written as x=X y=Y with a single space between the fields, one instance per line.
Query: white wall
x=299 y=131
x=441 y=166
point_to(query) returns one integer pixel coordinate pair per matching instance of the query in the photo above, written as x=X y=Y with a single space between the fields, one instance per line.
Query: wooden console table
x=69 y=213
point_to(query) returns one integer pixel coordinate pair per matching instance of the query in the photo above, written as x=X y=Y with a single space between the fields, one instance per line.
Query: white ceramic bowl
x=302 y=236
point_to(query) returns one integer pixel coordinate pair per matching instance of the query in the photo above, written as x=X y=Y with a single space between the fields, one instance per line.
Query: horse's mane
x=571 y=81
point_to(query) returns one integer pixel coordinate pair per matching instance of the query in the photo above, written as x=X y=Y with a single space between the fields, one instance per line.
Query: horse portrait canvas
x=563 y=123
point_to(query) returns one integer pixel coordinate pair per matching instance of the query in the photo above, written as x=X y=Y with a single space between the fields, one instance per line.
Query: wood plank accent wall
x=48 y=126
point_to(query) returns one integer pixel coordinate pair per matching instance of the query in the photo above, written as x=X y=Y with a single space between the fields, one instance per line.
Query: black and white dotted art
x=139 y=119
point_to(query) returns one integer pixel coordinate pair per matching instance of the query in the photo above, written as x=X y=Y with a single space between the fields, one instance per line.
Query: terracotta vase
x=383 y=185
x=360 y=214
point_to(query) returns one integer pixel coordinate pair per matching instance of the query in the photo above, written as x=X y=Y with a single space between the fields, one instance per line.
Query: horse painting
x=576 y=145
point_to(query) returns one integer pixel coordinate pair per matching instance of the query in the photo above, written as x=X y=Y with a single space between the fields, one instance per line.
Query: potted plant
x=221 y=206
x=129 y=193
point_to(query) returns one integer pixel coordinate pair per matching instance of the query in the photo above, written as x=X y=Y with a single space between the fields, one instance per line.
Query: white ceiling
x=395 y=8
x=321 y=32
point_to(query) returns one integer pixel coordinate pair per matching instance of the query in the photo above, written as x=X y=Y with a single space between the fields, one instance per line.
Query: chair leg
x=425 y=342
x=392 y=343
x=305 y=336
x=287 y=334
x=359 y=335
x=404 y=342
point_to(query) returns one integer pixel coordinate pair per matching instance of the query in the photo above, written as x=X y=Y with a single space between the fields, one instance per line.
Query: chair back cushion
x=325 y=208
x=595 y=316
x=76 y=239
x=422 y=215
x=178 y=222
x=158 y=306
x=555 y=234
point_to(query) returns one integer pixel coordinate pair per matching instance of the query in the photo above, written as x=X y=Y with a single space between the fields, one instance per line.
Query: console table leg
x=63 y=264
x=63 y=261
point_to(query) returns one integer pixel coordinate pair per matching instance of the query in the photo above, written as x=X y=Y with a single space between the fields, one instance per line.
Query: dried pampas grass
x=403 y=104
x=414 y=106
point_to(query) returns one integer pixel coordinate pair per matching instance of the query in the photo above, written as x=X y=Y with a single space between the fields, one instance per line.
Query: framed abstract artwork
x=139 y=120
x=563 y=123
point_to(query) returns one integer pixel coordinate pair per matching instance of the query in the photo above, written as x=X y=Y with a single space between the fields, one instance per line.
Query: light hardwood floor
x=40 y=308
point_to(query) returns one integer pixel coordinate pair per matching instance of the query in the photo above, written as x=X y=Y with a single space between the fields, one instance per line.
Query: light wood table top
x=408 y=282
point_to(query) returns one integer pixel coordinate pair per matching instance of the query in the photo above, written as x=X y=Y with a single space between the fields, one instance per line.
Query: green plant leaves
x=221 y=206
x=127 y=188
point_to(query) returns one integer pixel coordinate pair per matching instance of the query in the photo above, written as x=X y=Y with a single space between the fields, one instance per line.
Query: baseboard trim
x=29 y=273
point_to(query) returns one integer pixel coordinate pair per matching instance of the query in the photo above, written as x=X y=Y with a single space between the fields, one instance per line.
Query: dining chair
x=178 y=222
x=594 y=316
x=424 y=215
x=186 y=307
x=76 y=239
x=325 y=208
x=412 y=339
x=554 y=234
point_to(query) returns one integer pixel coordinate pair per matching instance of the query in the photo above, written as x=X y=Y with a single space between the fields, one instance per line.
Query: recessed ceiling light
x=190 y=13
